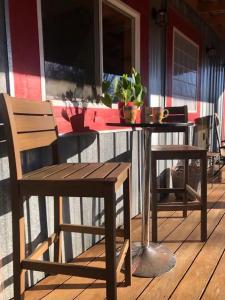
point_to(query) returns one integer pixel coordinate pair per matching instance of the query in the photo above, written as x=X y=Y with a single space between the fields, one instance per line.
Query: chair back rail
x=28 y=125
x=177 y=114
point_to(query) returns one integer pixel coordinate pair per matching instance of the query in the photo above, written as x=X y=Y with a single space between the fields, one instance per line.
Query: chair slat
x=84 y=172
x=21 y=106
x=71 y=168
x=175 y=119
x=38 y=171
x=103 y=171
x=176 y=110
x=33 y=140
x=46 y=172
x=25 y=123
x=115 y=173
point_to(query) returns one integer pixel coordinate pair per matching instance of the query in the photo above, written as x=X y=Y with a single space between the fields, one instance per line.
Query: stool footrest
x=170 y=190
x=64 y=268
x=122 y=255
x=88 y=229
x=192 y=192
x=43 y=246
x=178 y=206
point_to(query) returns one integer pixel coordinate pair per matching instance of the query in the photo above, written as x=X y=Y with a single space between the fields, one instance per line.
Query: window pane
x=117 y=41
x=185 y=68
x=69 y=48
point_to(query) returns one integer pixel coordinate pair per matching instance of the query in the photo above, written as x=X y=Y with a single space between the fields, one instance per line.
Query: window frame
x=184 y=36
x=115 y=4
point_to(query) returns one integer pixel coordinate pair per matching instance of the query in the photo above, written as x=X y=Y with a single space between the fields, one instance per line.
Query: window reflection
x=68 y=33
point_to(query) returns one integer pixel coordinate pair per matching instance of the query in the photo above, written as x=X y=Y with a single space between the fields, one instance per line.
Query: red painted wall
x=185 y=26
x=26 y=65
x=25 y=48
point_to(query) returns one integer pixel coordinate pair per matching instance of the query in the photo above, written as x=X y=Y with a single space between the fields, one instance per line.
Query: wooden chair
x=184 y=152
x=177 y=114
x=220 y=143
x=30 y=125
x=201 y=138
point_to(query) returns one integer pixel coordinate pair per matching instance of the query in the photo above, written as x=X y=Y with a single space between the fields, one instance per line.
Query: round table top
x=152 y=125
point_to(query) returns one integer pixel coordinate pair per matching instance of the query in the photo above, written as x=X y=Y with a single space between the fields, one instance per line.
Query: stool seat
x=177 y=151
x=77 y=179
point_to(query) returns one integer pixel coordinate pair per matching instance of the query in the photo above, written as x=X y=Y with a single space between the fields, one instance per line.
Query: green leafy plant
x=126 y=89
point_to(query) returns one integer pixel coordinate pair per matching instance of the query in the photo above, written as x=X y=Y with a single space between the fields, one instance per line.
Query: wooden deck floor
x=199 y=272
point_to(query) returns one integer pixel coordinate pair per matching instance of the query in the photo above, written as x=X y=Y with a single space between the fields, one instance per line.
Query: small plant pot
x=130 y=114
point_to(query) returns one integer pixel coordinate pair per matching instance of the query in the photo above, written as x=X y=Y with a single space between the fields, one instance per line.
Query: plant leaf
x=107 y=100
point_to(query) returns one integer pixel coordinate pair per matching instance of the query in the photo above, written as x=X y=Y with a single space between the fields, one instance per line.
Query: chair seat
x=81 y=179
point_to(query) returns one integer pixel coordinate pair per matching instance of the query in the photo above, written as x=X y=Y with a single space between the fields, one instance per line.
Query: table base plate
x=151 y=261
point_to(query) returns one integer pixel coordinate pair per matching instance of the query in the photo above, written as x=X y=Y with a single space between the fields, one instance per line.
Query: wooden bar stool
x=181 y=152
x=29 y=125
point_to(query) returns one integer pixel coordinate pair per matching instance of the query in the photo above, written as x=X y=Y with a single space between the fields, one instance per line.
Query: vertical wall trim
x=41 y=50
x=9 y=50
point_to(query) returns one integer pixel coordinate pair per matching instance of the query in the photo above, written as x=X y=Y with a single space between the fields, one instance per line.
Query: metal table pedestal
x=149 y=259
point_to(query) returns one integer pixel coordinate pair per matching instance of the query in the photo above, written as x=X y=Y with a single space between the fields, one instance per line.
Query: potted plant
x=128 y=91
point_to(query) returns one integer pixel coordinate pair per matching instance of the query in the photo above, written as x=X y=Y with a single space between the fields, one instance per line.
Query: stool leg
x=58 y=220
x=127 y=227
x=185 y=183
x=204 y=199
x=154 y=199
x=110 y=243
x=18 y=244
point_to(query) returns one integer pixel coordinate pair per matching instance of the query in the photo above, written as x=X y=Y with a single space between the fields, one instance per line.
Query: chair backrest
x=28 y=125
x=220 y=143
x=177 y=114
x=201 y=132
x=217 y=124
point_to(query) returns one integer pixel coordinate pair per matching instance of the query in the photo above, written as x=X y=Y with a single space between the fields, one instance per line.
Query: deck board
x=199 y=264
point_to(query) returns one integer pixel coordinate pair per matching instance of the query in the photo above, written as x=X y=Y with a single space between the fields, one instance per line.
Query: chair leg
x=18 y=244
x=185 y=183
x=127 y=227
x=57 y=221
x=154 y=199
x=204 y=199
x=110 y=243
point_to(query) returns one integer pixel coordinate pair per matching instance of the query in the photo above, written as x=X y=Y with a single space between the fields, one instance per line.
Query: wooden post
x=57 y=221
x=110 y=242
x=18 y=243
x=204 y=198
x=127 y=227
x=185 y=184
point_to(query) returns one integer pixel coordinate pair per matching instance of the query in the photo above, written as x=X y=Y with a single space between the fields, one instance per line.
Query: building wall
x=212 y=71
x=98 y=145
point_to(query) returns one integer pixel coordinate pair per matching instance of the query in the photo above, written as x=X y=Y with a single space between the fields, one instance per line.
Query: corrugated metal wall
x=212 y=68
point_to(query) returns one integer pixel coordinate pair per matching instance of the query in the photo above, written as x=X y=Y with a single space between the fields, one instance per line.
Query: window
x=69 y=48
x=85 y=41
x=185 y=71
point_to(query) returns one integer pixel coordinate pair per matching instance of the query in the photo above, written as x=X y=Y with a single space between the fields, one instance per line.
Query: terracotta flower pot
x=130 y=114
x=121 y=105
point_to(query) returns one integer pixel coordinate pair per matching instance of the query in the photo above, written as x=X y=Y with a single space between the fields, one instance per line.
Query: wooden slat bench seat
x=31 y=125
